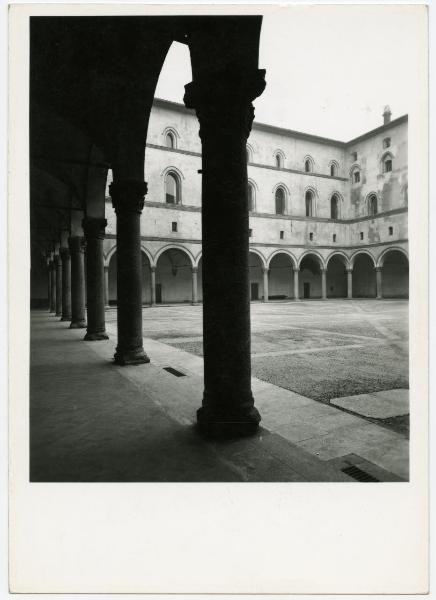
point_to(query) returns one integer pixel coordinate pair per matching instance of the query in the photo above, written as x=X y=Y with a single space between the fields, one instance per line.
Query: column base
x=95 y=337
x=224 y=426
x=68 y=318
x=130 y=357
x=58 y=314
x=78 y=324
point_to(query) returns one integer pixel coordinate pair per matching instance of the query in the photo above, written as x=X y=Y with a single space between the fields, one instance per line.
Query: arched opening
x=310 y=277
x=372 y=205
x=256 y=276
x=250 y=194
x=280 y=201
x=173 y=277
x=200 y=280
x=308 y=165
x=309 y=203
x=280 y=277
x=172 y=188
x=395 y=275
x=279 y=160
x=333 y=170
x=387 y=163
x=334 y=207
x=336 y=277
x=146 y=279
x=170 y=140
x=248 y=153
x=364 y=277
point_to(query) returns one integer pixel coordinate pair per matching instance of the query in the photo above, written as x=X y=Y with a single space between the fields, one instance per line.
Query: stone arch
x=310 y=264
x=286 y=197
x=280 y=275
x=394 y=264
x=249 y=152
x=381 y=258
x=364 y=274
x=256 y=265
x=178 y=176
x=333 y=168
x=284 y=251
x=339 y=201
x=337 y=264
x=386 y=156
x=254 y=190
x=311 y=192
x=112 y=266
x=173 y=274
x=109 y=254
x=279 y=156
x=308 y=164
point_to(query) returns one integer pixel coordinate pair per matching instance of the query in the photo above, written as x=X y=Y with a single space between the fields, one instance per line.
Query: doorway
x=254 y=291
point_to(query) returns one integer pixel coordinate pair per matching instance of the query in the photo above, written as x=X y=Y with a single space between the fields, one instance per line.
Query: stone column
x=53 y=287
x=106 y=287
x=128 y=202
x=349 y=283
x=324 y=284
x=378 y=275
x=153 y=285
x=94 y=236
x=265 y=271
x=194 y=285
x=49 y=285
x=225 y=113
x=58 y=267
x=296 y=284
x=66 y=284
x=77 y=249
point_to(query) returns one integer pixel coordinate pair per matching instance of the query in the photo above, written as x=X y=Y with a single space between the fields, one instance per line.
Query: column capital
x=378 y=269
x=76 y=243
x=128 y=195
x=194 y=269
x=153 y=268
x=265 y=269
x=222 y=99
x=65 y=253
x=296 y=269
x=94 y=227
x=57 y=260
x=323 y=270
x=349 y=269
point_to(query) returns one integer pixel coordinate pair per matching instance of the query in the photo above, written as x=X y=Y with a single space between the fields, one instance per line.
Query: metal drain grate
x=358 y=474
x=174 y=372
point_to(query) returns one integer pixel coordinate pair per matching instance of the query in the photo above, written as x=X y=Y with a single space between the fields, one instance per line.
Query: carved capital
x=128 y=195
x=76 y=244
x=94 y=227
x=350 y=270
x=194 y=269
x=265 y=270
x=57 y=261
x=222 y=100
x=65 y=254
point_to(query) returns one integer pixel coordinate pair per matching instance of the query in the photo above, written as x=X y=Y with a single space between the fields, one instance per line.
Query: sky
x=330 y=70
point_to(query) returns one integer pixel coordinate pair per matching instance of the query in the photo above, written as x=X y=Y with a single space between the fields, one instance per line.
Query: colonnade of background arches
x=174 y=275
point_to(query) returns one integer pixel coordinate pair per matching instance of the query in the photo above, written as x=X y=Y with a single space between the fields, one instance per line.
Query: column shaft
x=94 y=236
x=296 y=284
x=194 y=286
x=225 y=114
x=324 y=283
x=265 y=284
x=379 y=279
x=106 y=286
x=58 y=265
x=128 y=201
x=77 y=282
x=66 y=284
x=349 y=283
x=53 y=287
x=153 y=285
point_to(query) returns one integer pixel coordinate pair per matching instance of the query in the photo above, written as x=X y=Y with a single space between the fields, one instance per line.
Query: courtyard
x=330 y=380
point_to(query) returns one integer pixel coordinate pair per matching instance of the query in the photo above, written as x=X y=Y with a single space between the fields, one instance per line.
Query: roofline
x=291 y=132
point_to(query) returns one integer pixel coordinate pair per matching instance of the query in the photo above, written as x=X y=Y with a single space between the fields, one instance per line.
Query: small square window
x=388 y=165
x=334 y=237
x=174 y=226
x=354 y=155
x=361 y=235
x=386 y=142
x=250 y=233
x=391 y=231
x=311 y=237
x=282 y=235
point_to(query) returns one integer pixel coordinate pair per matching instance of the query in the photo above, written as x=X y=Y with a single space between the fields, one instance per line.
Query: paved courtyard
x=322 y=350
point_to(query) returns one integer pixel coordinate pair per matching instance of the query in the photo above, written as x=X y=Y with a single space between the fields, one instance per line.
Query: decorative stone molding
x=128 y=195
x=94 y=227
x=222 y=100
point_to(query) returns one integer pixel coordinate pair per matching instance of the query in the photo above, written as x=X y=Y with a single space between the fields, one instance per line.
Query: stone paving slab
x=380 y=405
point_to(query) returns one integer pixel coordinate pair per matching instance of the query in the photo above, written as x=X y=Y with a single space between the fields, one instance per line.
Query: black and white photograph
x=219 y=249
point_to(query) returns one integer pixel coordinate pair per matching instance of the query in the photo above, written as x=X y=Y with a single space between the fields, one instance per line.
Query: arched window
x=386 y=142
x=250 y=194
x=280 y=201
x=309 y=203
x=387 y=164
x=334 y=207
x=172 y=188
x=372 y=204
x=333 y=170
x=308 y=167
x=248 y=154
x=355 y=175
x=170 y=140
x=279 y=160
